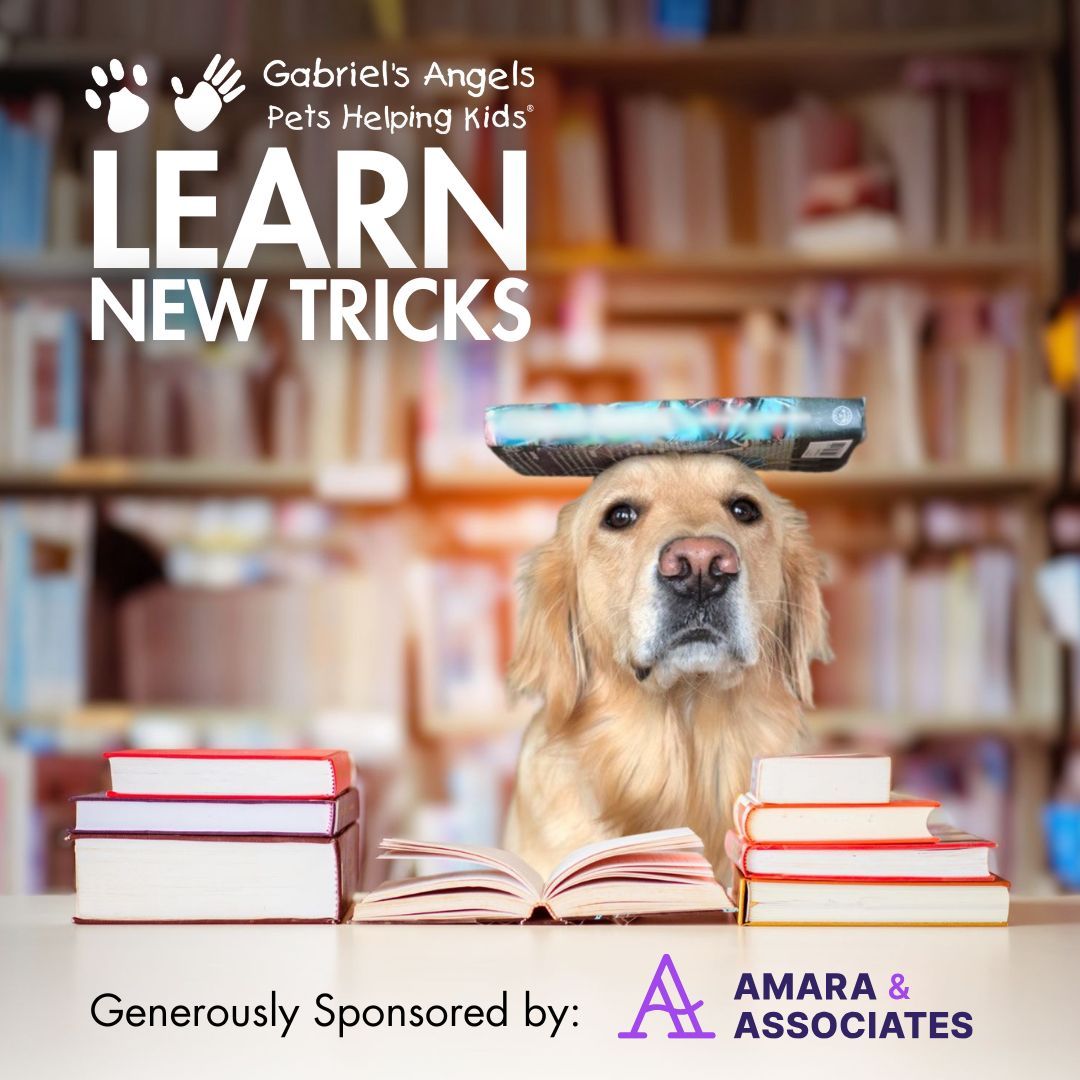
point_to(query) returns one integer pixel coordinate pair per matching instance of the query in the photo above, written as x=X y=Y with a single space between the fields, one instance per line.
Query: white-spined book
x=822 y=778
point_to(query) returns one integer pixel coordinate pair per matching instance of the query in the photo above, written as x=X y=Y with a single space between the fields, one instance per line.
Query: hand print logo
x=127 y=110
x=199 y=110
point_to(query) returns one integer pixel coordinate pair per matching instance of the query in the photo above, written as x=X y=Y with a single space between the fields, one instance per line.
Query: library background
x=276 y=543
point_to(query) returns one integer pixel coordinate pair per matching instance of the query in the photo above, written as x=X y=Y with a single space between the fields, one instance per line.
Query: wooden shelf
x=54 y=265
x=720 y=54
x=850 y=482
x=901 y=727
x=875 y=482
x=730 y=53
x=734 y=262
x=116 y=719
x=896 y=729
x=743 y=260
x=355 y=484
x=388 y=483
x=373 y=738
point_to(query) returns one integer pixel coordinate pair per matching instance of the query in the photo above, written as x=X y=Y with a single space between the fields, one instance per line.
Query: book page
x=496 y=858
x=661 y=840
x=493 y=881
x=650 y=867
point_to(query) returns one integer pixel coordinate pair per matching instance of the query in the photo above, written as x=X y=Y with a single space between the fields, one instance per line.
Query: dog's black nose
x=698 y=566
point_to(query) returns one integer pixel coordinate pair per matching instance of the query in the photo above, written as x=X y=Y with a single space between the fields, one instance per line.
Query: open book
x=656 y=873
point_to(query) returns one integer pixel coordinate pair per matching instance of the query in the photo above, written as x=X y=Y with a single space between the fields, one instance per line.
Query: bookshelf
x=772 y=54
x=696 y=290
x=894 y=728
x=376 y=484
x=737 y=261
x=984 y=263
x=853 y=482
x=388 y=484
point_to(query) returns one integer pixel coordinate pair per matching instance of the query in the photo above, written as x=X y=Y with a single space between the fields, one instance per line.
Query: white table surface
x=1021 y=985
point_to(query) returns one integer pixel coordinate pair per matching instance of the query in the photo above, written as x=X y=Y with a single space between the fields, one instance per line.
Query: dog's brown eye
x=620 y=516
x=745 y=511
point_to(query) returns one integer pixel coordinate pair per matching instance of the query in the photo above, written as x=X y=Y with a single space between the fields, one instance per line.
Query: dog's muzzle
x=698 y=568
x=696 y=575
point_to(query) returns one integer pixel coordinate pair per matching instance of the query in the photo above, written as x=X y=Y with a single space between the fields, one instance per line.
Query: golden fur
x=613 y=752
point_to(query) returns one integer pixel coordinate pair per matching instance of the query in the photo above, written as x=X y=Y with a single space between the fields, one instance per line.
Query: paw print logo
x=199 y=109
x=127 y=110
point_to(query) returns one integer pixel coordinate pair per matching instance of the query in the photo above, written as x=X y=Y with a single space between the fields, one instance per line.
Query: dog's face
x=679 y=566
x=669 y=569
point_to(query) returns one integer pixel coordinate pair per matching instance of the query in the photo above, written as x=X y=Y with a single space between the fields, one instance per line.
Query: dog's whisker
x=793 y=605
x=779 y=642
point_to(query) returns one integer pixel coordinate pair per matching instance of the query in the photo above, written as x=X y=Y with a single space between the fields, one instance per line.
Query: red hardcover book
x=952 y=855
x=899 y=821
x=229 y=774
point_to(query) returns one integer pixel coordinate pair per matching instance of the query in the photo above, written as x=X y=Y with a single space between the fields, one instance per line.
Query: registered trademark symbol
x=528 y=108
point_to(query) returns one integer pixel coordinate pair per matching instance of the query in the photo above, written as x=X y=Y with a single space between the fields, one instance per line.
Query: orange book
x=899 y=821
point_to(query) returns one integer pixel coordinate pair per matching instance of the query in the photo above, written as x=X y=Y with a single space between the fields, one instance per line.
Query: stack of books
x=824 y=840
x=219 y=836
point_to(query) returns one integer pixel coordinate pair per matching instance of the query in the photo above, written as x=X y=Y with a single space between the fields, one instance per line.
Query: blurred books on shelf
x=860 y=175
x=45 y=573
x=330 y=407
x=937 y=160
x=458 y=381
x=28 y=133
x=950 y=366
x=463 y=615
x=976 y=782
x=281 y=608
x=222 y=603
x=929 y=639
x=41 y=372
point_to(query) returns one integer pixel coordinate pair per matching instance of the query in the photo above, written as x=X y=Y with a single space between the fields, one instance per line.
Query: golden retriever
x=668 y=627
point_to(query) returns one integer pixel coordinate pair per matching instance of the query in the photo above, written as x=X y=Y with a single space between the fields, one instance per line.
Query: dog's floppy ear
x=549 y=659
x=803 y=623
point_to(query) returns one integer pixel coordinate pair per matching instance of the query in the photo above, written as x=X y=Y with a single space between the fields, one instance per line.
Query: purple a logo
x=658 y=988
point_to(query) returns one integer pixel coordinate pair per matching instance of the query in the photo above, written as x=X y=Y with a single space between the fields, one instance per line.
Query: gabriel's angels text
x=277 y=229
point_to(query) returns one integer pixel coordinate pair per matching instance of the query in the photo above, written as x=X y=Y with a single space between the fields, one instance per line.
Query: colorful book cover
x=567 y=439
